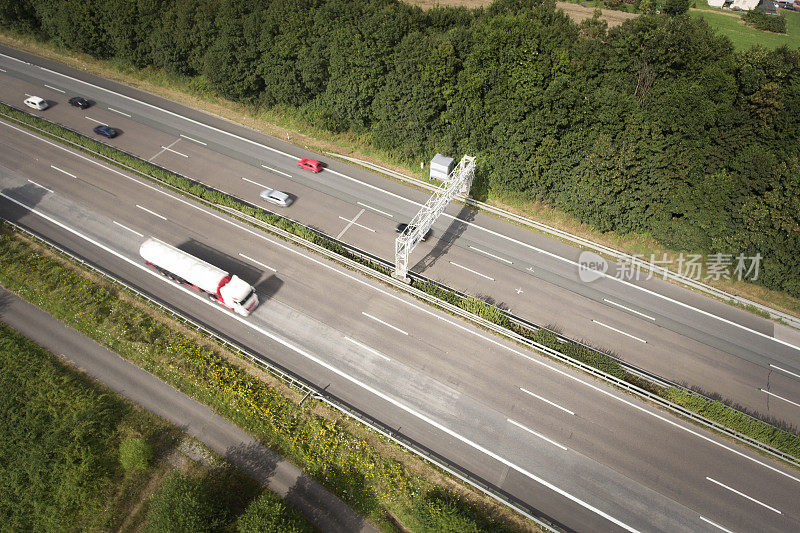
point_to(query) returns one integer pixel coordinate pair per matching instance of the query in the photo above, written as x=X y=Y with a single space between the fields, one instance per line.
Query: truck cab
x=238 y=295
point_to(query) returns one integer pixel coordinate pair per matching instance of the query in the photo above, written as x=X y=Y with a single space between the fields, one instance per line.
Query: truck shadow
x=28 y=194
x=266 y=287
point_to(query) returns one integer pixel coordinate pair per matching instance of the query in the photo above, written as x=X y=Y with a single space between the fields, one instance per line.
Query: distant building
x=767 y=6
x=441 y=166
x=744 y=5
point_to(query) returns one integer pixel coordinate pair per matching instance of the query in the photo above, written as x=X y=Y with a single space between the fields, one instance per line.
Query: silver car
x=276 y=197
x=36 y=102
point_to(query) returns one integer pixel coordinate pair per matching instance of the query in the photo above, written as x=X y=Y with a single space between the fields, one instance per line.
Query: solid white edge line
x=742 y=494
x=375 y=209
x=3 y=70
x=784 y=370
x=64 y=172
x=118 y=111
x=470 y=270
x=704 y=519
x=239 y=137
x=491 y=255
x=328 y=266
x=529 y=430
x=545 y=400
x=779 y=397
x=357 y=224
x=259 y=263
x=151 y=106
x=384 y=323
x=193 y=140
x=619 y=331
x=628 y=309
x=151 y=212
x=574 y=263
x=95 y=120
x=55 y=88
x=173 y=151
x=256 y=183
x=40 y=185
x=277 y=171
x=127 y=228
x=341 y=373
x=364 y=346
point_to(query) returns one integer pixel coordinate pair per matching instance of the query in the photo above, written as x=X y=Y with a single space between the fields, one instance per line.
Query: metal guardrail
x=457 y=310
x=586 y=243
x=302 y=386
x=640 y=372
x=642 y=393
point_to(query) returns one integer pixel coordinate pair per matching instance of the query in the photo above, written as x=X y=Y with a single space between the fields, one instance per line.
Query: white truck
x=219 y=286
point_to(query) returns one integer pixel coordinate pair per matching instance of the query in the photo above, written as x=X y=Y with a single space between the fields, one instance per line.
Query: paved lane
x=613 y=463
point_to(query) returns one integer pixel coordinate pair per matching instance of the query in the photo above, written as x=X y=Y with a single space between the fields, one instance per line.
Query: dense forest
x=656 y=126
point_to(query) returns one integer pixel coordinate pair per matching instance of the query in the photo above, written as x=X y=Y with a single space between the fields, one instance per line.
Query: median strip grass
x=363 y=469
x=753 y=425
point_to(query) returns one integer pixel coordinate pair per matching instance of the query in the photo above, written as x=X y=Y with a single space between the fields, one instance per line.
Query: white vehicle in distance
x=40 y=104
x=276 y=197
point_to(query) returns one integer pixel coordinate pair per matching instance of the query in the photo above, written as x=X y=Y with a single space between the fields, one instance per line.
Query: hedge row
x=761 y=21
x=347 y=465
x=743 y=423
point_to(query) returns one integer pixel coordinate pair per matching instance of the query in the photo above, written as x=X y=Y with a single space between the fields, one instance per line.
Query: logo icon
x=591 y=266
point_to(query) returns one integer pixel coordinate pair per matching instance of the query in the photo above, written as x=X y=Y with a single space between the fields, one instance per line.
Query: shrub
x=269 y=513
x=761 y=21
x=181 y=505
x=135 y=454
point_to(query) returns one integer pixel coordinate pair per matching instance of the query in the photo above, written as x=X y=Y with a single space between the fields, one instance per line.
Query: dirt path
x=575 y=11
x=322 y=508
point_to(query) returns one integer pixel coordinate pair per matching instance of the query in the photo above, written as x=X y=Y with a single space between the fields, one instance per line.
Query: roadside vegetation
x=755 y=425
x=75 y=456
x=392 y=489
x=655 y=127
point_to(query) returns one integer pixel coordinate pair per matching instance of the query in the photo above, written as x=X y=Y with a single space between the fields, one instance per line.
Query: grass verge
x=753 y=425
x=364 y=470
x=285 y=123
x=64 y=441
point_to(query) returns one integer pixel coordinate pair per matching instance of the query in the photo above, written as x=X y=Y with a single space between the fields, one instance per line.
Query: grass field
x=62 y=464
x=730 y=24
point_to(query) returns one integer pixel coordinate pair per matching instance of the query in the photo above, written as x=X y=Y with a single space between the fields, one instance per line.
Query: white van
x=40 y=104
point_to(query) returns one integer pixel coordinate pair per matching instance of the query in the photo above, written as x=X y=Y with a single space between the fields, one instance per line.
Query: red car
x=310 y=164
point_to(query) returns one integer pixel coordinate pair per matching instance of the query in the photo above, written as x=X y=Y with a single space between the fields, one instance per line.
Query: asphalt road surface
x=653 y=324
x=320 y=507
x=584 y=454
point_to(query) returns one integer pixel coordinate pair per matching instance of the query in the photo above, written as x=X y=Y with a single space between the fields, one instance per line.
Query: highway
x=588 y=456
x=653 y=324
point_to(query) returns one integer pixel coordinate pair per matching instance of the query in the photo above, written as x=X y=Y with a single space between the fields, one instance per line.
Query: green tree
x=135 y=454
x=182 y=505
x=674 y=8
x=268 y=513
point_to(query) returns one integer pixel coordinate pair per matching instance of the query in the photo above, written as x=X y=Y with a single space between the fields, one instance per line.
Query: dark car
x=402 y=227
x=310 y=164
x=79 y=101
x=106 y=131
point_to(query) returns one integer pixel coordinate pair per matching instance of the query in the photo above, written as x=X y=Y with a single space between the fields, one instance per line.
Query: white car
x=276 y=197
x=40 y=104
